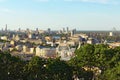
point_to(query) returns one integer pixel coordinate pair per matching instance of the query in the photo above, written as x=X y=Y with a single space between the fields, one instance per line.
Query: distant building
x=12 y=42
x=49 y=30
x=25 y=49
x=60 y=31
x=41 y=31
x=19 y=29
x=6 y=28
x=4 y=38
x=19 y=47
x=73 y=32
x=35 y=41
x=75 y=38
x=92 y=41
x=114 y=44
x=1 y=45
x=71 y=43
x=31 y=36
x=13 y=36
x=32 y=50
x=67 y=29
x=17 y=38
x=64 y=51
x=27 y=30
x=63 y=30
x=37 y=29
x=48 y=38
x=45 y=52
x=111 y=34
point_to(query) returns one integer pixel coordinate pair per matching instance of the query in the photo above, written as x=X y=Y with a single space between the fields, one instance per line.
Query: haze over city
x=59 y=39
x=56 y=14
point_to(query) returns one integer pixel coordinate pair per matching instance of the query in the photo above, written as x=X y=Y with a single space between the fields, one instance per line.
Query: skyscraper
x=67 y=29
x=49 y=30
x=63 y=29
x=19 y=29
x=37 y=29
x=6 y=28
x=73 y=32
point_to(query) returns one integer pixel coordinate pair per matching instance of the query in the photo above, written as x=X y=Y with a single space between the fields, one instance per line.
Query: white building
x=64 y=51
x=111 y=34
x=4 y=38
x=31 y=50
x=92 y=41
x=31 y=36
x=45 y=52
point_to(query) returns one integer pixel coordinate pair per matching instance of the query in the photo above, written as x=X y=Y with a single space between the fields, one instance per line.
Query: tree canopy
x=98 y=62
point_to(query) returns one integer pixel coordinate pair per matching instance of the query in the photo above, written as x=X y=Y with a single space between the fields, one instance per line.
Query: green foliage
x=34 y=69
x=101 y=56
x=85 y=55
x=59 y=70
x=11 y=67
x=88 y=56
x=3 y=41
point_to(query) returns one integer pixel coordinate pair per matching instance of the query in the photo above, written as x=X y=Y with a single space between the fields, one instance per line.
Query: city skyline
x=56 y=14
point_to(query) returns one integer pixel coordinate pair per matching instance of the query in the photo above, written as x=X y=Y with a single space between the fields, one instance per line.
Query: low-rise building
x=1 y=46
x=113 y=45
x=19 y=47
x=12 y=42
x=4 y=38
x=24 y=48
x=92 y=41
x=64 y=51
x=32 y=50
x=45 y=52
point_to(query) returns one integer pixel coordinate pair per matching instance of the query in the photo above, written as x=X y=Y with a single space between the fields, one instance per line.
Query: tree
x=111 y=73
x=34 y=69
x=84 y=55
x=59 y=70
x=11 y=67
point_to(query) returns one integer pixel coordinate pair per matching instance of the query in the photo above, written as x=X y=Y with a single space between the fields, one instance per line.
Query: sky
x=56 y=14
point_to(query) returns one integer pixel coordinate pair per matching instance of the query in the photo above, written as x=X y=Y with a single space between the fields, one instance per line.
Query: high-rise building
x=6 y=28
x=63 y=29
x=49 y=30
x=37 y=30
x=73 y=32
x=67 y=29
x=27 y=30
x=19 y=29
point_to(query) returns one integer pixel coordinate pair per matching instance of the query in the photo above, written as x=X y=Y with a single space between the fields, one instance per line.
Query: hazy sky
x=56 y=14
